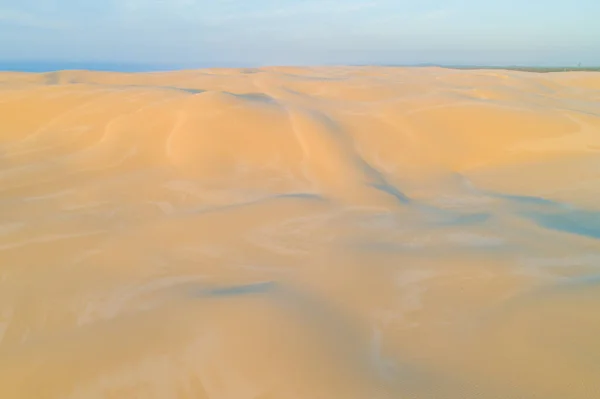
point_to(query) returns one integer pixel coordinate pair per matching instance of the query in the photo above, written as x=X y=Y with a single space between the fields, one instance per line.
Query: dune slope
x=300 y=233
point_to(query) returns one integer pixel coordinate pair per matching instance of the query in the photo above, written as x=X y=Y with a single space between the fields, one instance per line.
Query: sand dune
x=300 y=233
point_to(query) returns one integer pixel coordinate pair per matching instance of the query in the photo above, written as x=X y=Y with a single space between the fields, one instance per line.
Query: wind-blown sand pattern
x=293 y=233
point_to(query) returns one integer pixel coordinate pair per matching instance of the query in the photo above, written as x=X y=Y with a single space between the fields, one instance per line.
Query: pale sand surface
x=300 y=233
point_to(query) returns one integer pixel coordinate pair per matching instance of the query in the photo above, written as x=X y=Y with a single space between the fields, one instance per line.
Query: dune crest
x=300 y=233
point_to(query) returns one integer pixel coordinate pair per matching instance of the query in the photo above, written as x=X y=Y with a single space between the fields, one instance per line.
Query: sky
x=302 y=32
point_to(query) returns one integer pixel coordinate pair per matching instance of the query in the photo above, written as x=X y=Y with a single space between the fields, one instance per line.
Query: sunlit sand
x=300 y=233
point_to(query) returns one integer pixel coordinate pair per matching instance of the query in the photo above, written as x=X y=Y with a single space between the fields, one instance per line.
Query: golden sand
x=300 y=233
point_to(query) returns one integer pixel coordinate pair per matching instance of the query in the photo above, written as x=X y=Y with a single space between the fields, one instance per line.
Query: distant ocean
x=51 y=66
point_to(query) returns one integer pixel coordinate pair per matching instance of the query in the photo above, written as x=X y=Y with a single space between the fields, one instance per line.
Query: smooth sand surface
x=300 y=233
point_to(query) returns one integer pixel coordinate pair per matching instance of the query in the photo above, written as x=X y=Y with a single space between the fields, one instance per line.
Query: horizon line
x=29 y=66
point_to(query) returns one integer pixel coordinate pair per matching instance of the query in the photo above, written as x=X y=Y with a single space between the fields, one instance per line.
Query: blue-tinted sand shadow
x=54 y=78
x=444 y=217
x=460 y=219
x=554 y=215
x=580 y=222
x=591 y=281
x=388 y=188
x=173 y=88
x=238 y=290
x=224 y=208
x=258 y=97
x=530 y=200
x=184 y=89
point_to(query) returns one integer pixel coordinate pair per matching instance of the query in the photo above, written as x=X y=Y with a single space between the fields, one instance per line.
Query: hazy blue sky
x=302 y=31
